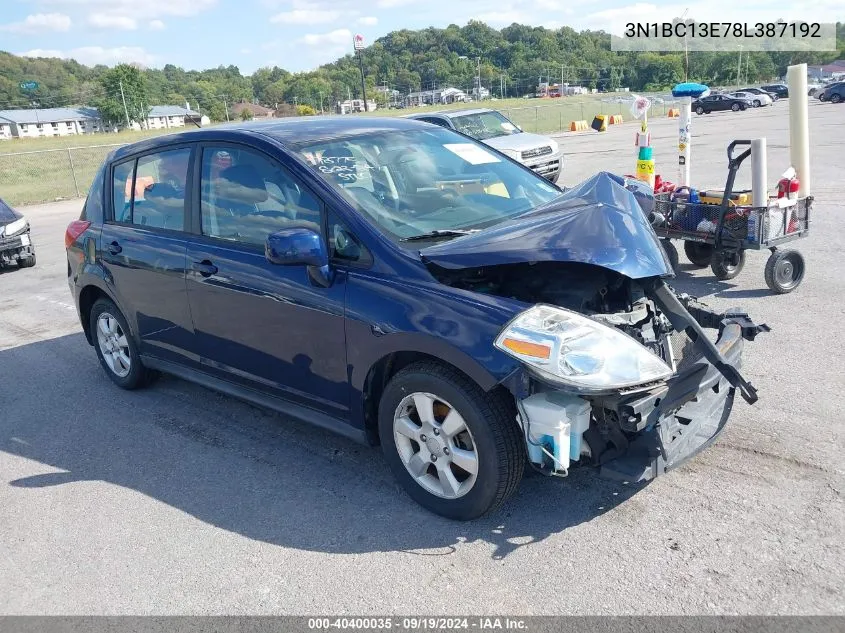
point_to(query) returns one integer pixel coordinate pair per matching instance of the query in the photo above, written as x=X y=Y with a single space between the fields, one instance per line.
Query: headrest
x=242 y=183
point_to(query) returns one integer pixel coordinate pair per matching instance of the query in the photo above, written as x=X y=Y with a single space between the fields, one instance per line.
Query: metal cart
x=717 y=235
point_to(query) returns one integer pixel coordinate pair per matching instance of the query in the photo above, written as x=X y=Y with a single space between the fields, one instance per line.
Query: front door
x=143 y=247
x=256 y=323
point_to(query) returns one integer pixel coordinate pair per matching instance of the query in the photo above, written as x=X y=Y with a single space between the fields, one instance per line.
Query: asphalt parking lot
x=177 y=500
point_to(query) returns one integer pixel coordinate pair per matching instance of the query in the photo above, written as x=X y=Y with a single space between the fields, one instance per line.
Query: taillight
x=74 y=230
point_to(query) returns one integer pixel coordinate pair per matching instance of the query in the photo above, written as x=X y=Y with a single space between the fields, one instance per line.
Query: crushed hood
x=598 y=222
x=8 y=214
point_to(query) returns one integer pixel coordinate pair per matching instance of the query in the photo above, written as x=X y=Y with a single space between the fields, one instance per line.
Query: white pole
x=759 y=173
x=684 y=141
x=799 y=135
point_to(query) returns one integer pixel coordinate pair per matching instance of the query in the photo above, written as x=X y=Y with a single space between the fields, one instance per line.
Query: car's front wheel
x=115 y=346
x=757 y=103
x=455 y=449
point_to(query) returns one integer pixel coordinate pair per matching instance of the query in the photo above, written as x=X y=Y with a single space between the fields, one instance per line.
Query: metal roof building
x=49 y=115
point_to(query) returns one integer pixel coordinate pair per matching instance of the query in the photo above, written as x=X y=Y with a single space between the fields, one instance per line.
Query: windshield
x=484 y=125
x=413 y=182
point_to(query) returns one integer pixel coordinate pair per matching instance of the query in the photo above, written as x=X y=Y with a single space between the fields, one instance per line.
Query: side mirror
x=296 y=245
x=300 y=246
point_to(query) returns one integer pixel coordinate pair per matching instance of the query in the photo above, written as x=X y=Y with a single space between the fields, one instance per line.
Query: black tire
x=757 y=103
x=138 y=375
x=699 y=110
x=835 y=98
x=736 y=107
x=698 y=253
x=27 y=262
x=707 y=111
x=822 y=98
x=726 y=266
x=784 y=271
x=496 y=437
x=671 y=253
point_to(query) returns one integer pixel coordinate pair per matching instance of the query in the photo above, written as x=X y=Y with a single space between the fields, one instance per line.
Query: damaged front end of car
x=616 y=369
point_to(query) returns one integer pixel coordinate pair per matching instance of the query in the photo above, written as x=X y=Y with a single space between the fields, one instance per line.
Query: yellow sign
x=682 y=146
x=645 y=167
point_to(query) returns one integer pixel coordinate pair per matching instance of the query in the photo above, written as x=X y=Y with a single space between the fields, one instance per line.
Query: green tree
x=246 y=114
x=123 y=84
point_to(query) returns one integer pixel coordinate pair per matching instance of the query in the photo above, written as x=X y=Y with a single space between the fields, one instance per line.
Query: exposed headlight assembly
x=569 y=348
x=510 y=153
x=14 y=227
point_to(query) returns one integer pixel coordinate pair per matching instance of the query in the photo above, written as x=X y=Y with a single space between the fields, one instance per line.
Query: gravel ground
x=176 y=500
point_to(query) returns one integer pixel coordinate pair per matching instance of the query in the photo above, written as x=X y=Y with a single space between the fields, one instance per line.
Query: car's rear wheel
x=456 y=450
x=699 y=110
x=115 y=346
x=27 y=262
x=835 y=98
x=735 y=107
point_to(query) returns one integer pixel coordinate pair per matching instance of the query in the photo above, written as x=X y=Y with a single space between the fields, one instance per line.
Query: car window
x=484 y=125
x=434 y=120
x=122 y=177
x=150 y=191
x=245 y=196
x=344 y=246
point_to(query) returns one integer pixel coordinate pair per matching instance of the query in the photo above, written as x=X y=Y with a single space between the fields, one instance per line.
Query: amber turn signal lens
x=527 y=349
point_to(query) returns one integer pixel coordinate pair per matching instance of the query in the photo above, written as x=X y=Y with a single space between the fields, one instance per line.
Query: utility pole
x=739 y=67
x=321 y=102
x=226 y=105
x=125 y=109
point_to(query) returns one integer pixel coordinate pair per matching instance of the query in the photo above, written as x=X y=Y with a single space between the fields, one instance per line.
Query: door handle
x=205 y=268
x=114 y=248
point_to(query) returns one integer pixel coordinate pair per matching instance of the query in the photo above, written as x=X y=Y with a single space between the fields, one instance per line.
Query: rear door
x=143 y=248
x=262 y=325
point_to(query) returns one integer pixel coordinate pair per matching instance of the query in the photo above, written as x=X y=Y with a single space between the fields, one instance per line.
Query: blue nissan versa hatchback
x=406 y=285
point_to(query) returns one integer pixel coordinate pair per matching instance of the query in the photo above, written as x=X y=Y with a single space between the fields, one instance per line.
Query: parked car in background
x=760 y=91
x=756 y=100
x=15 y=241
x=404 y=285
x=781 y=90
x=835 y=93
x=540 y=153
x=717 y=102
x=814 y=89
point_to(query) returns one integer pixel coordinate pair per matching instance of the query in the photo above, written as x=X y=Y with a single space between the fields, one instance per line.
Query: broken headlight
x=568 y=347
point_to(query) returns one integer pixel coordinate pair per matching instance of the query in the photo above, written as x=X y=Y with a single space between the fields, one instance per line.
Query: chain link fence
x=552 y=118
x=50 y=174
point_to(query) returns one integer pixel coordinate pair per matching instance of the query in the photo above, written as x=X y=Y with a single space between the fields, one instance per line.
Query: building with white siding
x=36 y=122
x=5 y=130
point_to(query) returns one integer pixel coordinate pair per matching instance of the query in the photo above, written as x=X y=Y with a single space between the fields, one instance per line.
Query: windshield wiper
x=438 y=233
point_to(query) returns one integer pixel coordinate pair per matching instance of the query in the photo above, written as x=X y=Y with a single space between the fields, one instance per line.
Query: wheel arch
x=88 y=296
x=386 y=367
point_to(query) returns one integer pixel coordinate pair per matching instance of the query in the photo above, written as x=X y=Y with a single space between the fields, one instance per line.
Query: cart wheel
x=671 y=253
x=784 y=271
x=727 y=265
x=699 y=254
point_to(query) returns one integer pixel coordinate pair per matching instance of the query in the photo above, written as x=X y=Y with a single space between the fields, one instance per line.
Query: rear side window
x=93 y=208
x=150 y=191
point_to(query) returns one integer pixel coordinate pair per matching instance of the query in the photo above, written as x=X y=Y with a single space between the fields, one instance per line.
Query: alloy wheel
x=435 y=445
x=113 y=345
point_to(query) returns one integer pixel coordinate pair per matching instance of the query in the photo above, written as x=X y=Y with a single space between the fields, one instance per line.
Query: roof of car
x=292 y=131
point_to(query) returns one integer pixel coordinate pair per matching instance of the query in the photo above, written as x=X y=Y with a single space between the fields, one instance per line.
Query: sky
x=300 y=35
